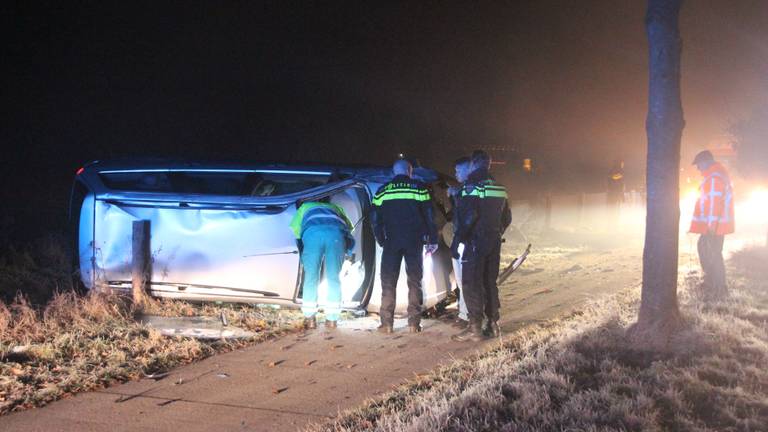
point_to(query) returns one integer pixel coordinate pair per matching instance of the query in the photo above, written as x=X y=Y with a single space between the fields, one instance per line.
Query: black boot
x=414 y=328
x=310 y=323
x=493 y=329
x=473 y=333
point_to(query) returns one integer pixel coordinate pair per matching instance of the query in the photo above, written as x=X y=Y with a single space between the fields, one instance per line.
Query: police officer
x=323 y=232
x=403 y=224
x=462 y=167
x=483 y=215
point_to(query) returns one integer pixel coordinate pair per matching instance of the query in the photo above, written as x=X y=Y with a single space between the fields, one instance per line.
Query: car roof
x=160 y=163
x=373 y=173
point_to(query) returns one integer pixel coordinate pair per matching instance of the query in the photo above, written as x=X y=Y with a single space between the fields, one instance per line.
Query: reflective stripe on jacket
x=482 y=209
x=714 y=208
x=319 y=213
x=485 y=189
x=402 y=213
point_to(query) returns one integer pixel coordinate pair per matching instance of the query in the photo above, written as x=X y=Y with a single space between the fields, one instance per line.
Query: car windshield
x=253 y=183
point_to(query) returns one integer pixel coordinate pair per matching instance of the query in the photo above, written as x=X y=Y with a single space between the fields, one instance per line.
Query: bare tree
x=659 y=314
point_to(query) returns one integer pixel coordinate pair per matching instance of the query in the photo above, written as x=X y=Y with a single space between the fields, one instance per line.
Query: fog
x=563 y=83
x=587 y=220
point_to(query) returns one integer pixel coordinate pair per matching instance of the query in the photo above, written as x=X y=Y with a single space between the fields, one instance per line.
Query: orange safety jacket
x=713 y=213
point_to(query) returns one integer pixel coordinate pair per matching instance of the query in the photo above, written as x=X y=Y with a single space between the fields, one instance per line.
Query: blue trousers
x=322 y=242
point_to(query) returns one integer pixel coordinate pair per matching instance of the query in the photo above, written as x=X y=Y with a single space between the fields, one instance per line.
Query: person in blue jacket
x=322 y=230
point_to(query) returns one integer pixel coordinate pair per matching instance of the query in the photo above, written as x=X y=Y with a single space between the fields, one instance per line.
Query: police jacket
x=402 y=214
x=482 y=210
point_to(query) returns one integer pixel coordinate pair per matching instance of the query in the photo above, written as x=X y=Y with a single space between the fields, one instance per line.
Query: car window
x=230 y=183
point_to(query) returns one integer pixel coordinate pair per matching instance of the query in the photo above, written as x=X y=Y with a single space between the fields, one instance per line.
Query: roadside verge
x=581 y=373
x=81 y=343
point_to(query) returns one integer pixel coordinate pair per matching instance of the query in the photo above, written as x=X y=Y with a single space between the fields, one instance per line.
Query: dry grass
x=54 y=342
x=78 y=343
x=582 y=374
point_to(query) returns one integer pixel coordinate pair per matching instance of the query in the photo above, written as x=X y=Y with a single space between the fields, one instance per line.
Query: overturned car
x=220 y=232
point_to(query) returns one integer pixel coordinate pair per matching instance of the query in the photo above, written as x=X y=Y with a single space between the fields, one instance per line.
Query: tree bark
x=140 y=262
x=659 y=314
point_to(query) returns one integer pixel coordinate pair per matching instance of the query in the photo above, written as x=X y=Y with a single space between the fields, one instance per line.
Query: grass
x=79 y=343
x=55 y=342
x=581 y=373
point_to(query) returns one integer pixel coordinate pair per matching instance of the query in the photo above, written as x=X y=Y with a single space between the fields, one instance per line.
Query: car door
x=358 y=270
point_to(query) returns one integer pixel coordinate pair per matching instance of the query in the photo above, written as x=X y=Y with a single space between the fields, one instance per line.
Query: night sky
x=562 y=81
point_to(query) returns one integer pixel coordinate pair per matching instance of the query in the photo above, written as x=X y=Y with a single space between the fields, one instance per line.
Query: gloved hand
x=300 y=245
x=455 y=249
x=431 y=248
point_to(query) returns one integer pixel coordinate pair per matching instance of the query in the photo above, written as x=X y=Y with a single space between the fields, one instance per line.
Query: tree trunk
x=659 y=315
x=140 y=262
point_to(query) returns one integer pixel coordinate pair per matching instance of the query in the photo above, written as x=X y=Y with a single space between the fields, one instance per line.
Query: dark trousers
x=710 y=248
x=391 y=258
x=480 y=269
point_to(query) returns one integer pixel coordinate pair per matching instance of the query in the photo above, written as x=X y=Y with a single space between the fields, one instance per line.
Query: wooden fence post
x=141 y=261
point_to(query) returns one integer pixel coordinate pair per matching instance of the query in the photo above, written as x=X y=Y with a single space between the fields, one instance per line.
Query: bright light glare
x=692 y=195
x=759 y=197
x=755 y=208
x=751 y=218
x=687 y=203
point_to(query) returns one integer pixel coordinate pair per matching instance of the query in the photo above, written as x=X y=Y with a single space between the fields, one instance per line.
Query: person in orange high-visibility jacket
x=713 y=218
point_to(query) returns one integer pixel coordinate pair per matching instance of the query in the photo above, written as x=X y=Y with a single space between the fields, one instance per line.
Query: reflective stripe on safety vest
x=714 y=211
x=319 y=213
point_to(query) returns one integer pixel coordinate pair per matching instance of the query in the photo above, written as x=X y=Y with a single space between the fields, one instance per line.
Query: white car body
x=227 y=246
